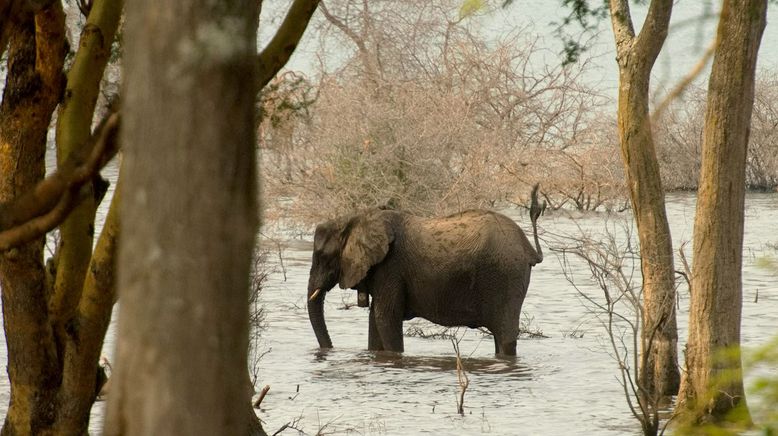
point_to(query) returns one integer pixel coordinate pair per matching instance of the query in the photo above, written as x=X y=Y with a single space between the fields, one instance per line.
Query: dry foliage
x=679 y=139
x=446 y=121
x=604 y=269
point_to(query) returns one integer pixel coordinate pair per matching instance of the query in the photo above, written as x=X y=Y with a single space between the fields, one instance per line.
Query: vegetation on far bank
x=454 y=119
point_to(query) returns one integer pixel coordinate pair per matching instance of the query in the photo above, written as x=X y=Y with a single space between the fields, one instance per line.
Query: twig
x=293 y=424
x=283 y=427
x=462 y=379
x=279 y=252
x=687 y=270
x=261 y=396
x=685 y=82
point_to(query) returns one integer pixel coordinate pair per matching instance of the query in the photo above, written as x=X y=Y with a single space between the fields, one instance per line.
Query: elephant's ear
x=366 y=243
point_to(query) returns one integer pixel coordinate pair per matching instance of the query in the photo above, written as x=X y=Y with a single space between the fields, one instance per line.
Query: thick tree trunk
x=713 y=384
x=35 y=57
x=190 y=204
x=659 y=374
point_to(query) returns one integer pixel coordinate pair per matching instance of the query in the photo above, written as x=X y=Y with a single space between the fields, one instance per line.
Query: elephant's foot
x=504 y=348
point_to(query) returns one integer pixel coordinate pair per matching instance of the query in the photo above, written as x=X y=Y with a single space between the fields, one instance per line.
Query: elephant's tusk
x=314 y=295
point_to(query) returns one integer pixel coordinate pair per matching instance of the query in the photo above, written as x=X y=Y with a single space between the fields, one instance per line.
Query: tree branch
x=623 y=30
x=654 y=31
x=49 y=203
x=283 y=44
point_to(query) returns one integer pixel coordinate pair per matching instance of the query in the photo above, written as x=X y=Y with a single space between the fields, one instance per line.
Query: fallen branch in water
x=414 y=331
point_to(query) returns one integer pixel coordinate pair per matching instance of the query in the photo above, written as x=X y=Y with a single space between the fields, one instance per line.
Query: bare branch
x=684 y=83
x=49 y=203
x=284 y=42
x=462 y=378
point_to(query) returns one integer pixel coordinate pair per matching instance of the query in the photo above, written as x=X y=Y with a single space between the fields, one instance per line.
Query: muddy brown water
x=563 y=384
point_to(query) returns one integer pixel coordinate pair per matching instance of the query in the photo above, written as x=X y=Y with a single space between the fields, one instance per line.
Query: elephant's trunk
x=316 y=315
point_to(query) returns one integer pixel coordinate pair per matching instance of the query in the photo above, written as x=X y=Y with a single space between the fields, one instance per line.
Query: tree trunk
x=713 y=384
x=35 y=57
x=659 y=375
x=86 y=330
x=74 y=128
x=84 y=290
x=190 y=204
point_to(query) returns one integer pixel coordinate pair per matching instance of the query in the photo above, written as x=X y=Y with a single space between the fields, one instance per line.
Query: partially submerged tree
x=635 y=55
x=612 y=260
x=713 y=385
x=55 y=318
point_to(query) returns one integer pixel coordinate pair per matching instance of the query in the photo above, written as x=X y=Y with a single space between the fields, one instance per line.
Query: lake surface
x=563 y=384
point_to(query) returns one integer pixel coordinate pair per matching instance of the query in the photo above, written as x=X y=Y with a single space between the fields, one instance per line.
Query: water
x=563 y=384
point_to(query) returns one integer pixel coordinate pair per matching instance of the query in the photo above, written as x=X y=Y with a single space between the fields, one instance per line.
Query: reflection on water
x=379 y=361
x=565 y=384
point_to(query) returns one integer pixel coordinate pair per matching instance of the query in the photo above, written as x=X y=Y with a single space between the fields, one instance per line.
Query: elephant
x=468 y=269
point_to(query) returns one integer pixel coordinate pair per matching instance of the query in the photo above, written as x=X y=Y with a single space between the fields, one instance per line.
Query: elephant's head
x=344 y=250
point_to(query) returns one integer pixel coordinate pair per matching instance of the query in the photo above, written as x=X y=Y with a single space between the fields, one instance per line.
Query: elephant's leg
x=505 y=338
x=507 y=348
x=389 y=324
x=374 y=342
x=505 y=342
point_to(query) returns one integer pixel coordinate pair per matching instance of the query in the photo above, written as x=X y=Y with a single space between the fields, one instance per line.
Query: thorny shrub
x=478 y=130
x=679 y=135
x=260 y=271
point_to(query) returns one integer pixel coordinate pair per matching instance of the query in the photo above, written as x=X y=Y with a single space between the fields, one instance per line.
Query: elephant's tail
x=535 y=210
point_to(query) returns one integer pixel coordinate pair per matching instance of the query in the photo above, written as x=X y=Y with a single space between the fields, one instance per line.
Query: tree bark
x=86 y=329
x=280 y=48
x=74 y=128
x=190 y=204
x=713 y=384
x=636 y=54
x=35 y=57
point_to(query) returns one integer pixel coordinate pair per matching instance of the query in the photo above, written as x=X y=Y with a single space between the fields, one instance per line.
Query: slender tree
x=713 y=385
x=635 y=55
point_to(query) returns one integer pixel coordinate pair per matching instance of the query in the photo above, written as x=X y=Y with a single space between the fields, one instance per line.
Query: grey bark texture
x=188 y=220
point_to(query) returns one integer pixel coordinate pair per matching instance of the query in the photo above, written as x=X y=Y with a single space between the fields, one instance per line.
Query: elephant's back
x=475 y=234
